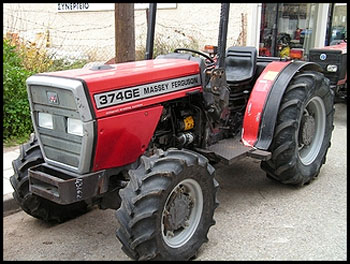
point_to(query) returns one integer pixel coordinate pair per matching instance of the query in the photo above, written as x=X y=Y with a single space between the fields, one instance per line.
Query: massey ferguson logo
x=52 y=98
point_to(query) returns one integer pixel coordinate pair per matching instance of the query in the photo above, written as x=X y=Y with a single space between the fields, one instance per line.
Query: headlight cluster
x=45 y=120
x=332 y=68
x=74 y=126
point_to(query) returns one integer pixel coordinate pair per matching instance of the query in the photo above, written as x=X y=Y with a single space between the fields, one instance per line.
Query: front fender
x=264 y=101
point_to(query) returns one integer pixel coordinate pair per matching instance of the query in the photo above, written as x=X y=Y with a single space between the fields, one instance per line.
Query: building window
x=337 y=24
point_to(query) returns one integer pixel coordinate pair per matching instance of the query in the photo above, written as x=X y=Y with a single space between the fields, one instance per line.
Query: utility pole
x=124 y=32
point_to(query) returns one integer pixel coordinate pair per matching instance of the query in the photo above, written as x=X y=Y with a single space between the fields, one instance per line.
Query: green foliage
x=20 y=62
x=34 y=59
x=16 y=119
x=164 y=45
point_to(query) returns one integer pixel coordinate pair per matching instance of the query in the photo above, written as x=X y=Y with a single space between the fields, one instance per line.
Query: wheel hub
x=178 y=210
x=312 y=130
x=308 y=129
x=182 y=213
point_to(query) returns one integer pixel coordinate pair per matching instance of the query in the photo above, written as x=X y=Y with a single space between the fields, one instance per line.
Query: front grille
x=332 y=57
x=60 y=148
x=57 y=144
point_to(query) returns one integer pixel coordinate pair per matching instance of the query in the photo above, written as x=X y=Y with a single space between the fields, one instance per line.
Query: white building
x=86 y=30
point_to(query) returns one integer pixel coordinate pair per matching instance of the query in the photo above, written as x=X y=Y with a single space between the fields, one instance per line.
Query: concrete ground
x=257 y=219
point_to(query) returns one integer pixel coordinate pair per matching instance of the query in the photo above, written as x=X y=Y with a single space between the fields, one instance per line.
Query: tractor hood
x=116 y=88
x=341 y=47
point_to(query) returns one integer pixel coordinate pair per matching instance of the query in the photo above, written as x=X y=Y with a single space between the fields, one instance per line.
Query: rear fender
x=264 y=101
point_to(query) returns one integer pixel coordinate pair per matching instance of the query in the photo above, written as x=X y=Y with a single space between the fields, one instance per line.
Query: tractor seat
x=240 y=65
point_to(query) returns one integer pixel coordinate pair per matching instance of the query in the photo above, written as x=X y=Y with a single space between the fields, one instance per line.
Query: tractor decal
x=121 y=96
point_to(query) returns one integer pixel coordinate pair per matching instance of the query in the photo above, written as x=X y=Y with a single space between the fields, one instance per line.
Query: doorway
x=286 y=26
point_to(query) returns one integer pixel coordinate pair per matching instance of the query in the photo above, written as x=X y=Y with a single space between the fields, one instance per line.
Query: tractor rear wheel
x=167 y=207
x=303 y=130
x=38 y=207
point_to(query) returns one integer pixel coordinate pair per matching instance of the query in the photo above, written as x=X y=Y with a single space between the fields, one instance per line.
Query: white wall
x=91 y=33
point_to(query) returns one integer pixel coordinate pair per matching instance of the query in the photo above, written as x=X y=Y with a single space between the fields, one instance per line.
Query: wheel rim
x=312 y=129
x=182 y=213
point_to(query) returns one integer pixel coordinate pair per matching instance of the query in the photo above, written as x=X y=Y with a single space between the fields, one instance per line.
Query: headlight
x=332 y=68
x=75 y=126
x=45 y=120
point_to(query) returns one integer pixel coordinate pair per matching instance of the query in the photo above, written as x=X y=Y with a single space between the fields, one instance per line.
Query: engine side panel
x=123 y=138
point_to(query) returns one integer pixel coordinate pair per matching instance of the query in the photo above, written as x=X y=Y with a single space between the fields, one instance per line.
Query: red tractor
x=142 y=138
x=333 y=60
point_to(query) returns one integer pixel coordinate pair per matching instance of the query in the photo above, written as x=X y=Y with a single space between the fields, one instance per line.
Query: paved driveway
x=258 y=219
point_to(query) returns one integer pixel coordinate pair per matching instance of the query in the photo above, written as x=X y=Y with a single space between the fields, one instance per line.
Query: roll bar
x=223 y=26
x=150 y=30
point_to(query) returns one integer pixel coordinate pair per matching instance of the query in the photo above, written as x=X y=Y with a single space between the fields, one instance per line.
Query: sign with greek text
x=82 y=7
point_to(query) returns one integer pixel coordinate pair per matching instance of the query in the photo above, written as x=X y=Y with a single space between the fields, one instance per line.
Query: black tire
x=38 y=207
x=303 y=130
x=142 y=218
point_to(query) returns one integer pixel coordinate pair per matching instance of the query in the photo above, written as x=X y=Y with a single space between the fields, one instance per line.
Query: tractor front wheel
x=38 y=207
x=167 y=207
x=303 y=130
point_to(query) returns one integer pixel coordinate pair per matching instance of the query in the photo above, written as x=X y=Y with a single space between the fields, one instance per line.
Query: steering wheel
x=196 y=52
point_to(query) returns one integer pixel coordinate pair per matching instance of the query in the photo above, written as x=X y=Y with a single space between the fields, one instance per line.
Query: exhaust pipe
x=223 y=26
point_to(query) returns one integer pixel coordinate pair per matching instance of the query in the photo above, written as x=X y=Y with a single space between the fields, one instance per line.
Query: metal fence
x=90 y=36
x=62 y=37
